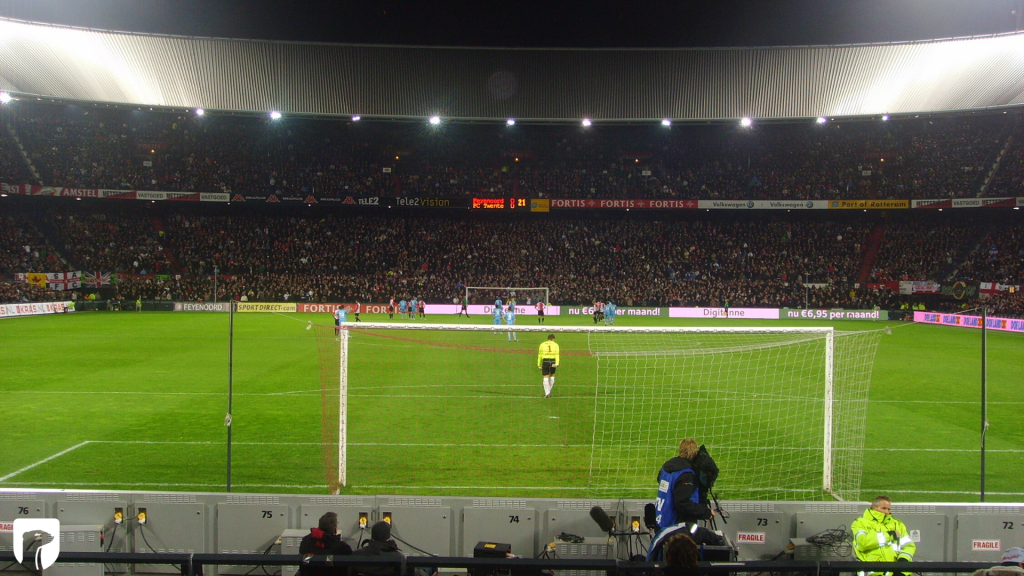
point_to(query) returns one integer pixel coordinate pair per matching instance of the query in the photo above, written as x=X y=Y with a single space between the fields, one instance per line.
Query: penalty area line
x=44 y=461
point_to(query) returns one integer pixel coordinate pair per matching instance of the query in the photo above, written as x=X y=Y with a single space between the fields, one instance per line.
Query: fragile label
x=750 y=537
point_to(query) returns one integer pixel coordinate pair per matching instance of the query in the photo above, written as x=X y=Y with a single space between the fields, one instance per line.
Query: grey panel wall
x=548 y=84
x=449 y=526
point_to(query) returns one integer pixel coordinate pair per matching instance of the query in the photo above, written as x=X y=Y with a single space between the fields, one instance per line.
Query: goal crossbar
x=585 y=329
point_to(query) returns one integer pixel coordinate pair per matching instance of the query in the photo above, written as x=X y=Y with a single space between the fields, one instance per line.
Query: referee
x=547 y=361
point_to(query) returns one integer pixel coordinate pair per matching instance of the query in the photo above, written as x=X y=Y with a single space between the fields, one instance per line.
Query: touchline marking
x=989 y=402
x=453 y=445
x=942 y=492
x=44 y=461
x=167 y=484
x=156 y=393
x=431 y=445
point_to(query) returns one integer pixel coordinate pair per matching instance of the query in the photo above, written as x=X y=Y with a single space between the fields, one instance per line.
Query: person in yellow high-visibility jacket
x=879 y=537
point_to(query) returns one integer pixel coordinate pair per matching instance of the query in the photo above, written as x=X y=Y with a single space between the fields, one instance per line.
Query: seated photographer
x=379 y=544
x=324 y=540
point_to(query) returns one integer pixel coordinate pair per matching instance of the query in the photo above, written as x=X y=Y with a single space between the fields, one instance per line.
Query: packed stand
x=20 y=293
x=919 y=250
x=1009 y=178
x=92 y=147
x=23 y=248
x=999 y=258
x=635 y=263
x=13 y=169
x=109 y=241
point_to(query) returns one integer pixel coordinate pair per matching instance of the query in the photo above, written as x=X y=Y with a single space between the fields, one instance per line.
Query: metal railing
x=193 y=564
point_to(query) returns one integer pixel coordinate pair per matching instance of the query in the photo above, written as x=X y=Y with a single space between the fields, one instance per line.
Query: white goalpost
x=782 y=410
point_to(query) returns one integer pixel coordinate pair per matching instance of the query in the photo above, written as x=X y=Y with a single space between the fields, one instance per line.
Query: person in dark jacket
x=379 y=544
x=324 y=540
x=679 y=496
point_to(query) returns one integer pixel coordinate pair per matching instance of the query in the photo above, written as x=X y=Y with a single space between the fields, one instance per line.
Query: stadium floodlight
x=200 y=111
x=821 y=120
x=666 y=122
x=746 y=122
x=275 y=115
x=5 y=98
x=885 y=117
x=586 y=122
x=783 y=409
x=510 y=122
x=435 y=120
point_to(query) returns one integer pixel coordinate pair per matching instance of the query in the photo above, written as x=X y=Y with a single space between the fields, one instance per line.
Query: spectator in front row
x=681 y=556
x=379 y=544
x=324 y=540
x=1012 y=564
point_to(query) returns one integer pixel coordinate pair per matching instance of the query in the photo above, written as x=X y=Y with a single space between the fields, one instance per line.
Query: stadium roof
x=621 y=85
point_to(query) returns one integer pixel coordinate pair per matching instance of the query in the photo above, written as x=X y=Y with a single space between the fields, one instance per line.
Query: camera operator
x=680 y=498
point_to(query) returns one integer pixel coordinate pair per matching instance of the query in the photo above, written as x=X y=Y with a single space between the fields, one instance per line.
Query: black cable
x=834 y=540
x=33 y=543
x=411 y=546
x=151 y=549
x=112 y=534
x=265 y=552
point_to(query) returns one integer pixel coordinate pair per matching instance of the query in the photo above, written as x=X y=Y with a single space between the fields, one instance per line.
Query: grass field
x=137 y=401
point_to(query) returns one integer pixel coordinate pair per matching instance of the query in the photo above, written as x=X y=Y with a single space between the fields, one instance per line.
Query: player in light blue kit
x=609 y=313
x=510 y=320
x=402 y=307
x=497 y=317
x=340 y=316
x=412 y=307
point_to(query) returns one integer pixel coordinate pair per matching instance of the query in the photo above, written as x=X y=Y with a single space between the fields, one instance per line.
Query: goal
x=459 y=409
x=489 y=294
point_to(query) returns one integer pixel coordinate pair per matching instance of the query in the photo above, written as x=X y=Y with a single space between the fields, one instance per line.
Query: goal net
x=489 y=294
x=460 y=409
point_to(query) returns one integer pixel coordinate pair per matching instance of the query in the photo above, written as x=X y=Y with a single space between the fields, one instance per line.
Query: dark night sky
x=550 y=23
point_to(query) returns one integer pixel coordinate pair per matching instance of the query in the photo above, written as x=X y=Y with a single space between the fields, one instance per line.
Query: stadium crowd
x=769 y=260
x=919 y=250
x=93 y=147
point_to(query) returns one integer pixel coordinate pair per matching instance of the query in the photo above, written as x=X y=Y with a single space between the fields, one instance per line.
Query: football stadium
x=266 y=304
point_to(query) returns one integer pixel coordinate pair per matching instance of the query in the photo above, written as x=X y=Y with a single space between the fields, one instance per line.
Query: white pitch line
x=439 y=487
x=453 y=445
x=975 y=492
x=116 y=393
x=989 y=402
x=43 y=461
x=410 y=445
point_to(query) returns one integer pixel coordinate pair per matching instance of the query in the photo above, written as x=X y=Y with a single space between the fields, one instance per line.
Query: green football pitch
x=137 y=401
